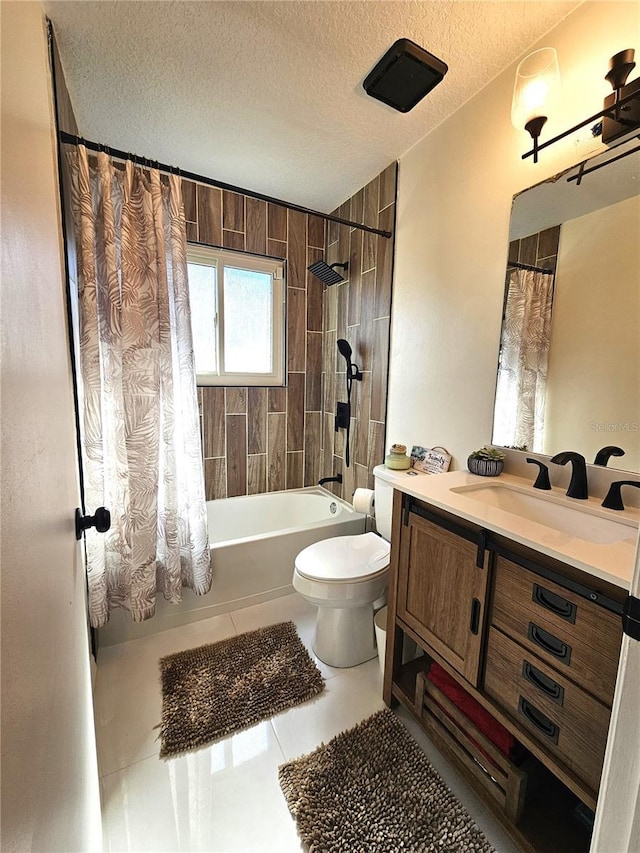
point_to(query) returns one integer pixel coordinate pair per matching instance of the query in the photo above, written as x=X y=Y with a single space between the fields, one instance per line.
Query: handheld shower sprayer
x=343 y=415
x=352 y=369
x=344 y=348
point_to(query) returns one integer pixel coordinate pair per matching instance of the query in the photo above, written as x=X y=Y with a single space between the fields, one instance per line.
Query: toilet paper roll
x=363 y=501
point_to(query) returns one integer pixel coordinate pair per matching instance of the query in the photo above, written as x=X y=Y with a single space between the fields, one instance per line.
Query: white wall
x=595 y=337
x=454 y=201
x=50 y=799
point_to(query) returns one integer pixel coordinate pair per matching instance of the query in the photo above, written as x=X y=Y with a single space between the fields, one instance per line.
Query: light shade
x=537 y=87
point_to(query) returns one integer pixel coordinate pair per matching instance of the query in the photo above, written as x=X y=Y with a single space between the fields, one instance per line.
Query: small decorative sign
x=431 y=460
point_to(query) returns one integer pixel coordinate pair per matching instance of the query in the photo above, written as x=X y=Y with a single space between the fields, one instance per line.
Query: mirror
x=569 y=360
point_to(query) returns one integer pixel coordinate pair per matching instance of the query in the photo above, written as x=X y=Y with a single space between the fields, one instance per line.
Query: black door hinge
x=631 y=617
x=406 y=509
x=482 y=547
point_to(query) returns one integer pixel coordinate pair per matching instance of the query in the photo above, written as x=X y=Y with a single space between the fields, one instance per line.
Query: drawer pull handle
x=543 y=724
x=549 y=643
x=475 y=616
x=555 y=603
x=547 y=685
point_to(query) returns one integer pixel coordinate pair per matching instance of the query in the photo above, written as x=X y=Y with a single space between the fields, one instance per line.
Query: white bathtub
x=254 y=541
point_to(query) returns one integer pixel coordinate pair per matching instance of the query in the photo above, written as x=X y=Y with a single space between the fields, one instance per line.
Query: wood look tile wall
x=359 y=310
x=538 y=250
x=258 y=440
x=264 y=439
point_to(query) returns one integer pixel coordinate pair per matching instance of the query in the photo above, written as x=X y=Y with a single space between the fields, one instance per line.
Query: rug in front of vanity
x=372 y=788
x=214 y=690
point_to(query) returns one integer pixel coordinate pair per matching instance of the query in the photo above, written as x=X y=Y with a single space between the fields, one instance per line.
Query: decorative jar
x=397 y=458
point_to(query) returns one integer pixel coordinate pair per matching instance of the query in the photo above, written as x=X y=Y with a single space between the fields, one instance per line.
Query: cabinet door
x=441 y=592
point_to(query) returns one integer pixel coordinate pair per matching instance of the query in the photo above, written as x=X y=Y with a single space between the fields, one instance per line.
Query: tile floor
x=225 y=797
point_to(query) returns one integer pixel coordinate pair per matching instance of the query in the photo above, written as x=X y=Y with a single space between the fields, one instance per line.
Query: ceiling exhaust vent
x=404 y=75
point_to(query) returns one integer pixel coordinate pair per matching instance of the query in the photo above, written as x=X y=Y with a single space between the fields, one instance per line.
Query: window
x=237 y=317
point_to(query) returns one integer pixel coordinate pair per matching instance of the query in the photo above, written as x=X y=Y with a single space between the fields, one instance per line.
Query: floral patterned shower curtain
x=140 y=421
x=524 y=354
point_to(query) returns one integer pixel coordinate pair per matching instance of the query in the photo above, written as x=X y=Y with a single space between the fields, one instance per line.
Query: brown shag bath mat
x=214 y=690
x=373 y=789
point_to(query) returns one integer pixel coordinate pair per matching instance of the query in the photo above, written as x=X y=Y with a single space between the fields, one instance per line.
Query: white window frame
x=219 y=258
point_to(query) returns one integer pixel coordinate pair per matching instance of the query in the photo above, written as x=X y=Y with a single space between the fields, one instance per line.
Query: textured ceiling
x=268 y=95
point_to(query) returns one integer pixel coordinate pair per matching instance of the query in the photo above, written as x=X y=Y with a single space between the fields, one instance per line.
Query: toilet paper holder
x=364 y=501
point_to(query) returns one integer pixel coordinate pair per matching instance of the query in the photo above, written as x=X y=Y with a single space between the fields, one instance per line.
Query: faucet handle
x=542 y=480
x=613 y=499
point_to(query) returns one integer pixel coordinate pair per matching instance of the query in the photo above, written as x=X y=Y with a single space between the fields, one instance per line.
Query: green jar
x=397 y=458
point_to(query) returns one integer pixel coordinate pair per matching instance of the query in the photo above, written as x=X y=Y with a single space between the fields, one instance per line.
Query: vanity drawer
x=579 y=639
x=563 y=718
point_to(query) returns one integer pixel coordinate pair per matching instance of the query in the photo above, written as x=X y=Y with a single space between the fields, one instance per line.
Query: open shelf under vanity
x=550 y=817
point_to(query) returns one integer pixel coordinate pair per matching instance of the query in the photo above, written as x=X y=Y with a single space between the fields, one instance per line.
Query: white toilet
x=344 y=577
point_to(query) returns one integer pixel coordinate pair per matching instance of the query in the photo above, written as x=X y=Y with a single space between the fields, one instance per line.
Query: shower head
x=326 y=272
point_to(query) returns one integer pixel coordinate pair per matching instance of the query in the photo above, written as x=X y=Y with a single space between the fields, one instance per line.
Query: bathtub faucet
x=336 y=479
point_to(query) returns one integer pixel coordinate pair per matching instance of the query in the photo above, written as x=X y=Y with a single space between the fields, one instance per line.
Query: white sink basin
x=575 y=519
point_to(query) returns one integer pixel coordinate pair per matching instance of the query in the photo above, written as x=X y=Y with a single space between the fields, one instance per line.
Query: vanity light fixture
x=623 y=117
x=535 y=93
x=535 y=89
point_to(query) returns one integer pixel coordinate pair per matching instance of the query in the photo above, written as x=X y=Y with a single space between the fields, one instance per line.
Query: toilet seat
x=344 y=559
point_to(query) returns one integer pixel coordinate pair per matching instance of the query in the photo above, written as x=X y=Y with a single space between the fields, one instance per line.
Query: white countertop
x=612 y=562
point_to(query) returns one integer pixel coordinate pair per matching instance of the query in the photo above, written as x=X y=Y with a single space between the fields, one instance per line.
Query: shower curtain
x=524 y=355
x=139 y=423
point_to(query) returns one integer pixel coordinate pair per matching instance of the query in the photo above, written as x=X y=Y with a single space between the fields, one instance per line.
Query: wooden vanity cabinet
x=525 y=635
x=442 y=585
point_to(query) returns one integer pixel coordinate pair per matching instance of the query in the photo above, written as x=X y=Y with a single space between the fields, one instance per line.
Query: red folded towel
x=473 y=710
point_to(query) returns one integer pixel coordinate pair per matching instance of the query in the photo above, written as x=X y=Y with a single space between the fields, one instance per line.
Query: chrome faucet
x=578 y=484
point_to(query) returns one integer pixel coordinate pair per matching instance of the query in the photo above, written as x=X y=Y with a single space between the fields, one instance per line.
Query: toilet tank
x=383 y=506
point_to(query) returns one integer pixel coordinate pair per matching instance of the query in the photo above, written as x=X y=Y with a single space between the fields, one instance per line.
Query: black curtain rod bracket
x=70 y=139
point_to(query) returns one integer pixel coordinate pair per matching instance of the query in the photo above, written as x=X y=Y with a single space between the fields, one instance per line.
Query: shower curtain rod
x=529 y=267
x=70 y=139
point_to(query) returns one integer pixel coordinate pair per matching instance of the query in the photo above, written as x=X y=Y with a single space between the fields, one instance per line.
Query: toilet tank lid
x=344 y=558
